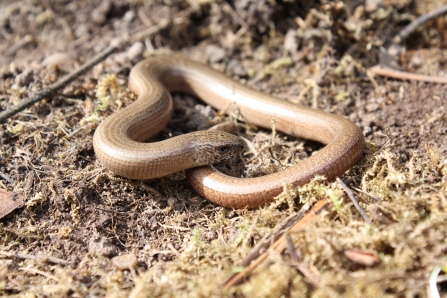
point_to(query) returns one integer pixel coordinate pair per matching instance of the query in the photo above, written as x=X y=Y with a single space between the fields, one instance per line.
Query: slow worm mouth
x=154 y=77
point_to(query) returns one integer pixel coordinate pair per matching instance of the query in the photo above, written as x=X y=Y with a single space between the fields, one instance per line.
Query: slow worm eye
x=223 y=150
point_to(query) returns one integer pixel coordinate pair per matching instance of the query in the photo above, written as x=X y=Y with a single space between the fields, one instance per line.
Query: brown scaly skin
x=117 y=141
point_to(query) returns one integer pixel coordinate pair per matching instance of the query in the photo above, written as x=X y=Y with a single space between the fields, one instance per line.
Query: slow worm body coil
x=118 y=139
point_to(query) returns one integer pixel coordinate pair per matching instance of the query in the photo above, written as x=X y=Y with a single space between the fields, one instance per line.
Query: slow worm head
x=117 y=141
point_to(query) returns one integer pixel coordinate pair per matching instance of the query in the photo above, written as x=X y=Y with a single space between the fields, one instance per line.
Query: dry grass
x=80 y=215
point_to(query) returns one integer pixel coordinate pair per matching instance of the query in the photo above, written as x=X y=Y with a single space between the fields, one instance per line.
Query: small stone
x=372 y=5
x=290 y=41
x=129 y=16
x=56 y=58
x=99 y=14
x=121 y=58
x=125 y=262
x=102 y=247
x=135 y=52
x=367 y=130
x=236 y=68
x=416 y=61
x=214 y=53
x=172 y=201
x=371 y=107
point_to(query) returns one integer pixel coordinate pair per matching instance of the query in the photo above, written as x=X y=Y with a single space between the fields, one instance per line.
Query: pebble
x=172 y=201
x=129 y=16
x=290 y=41
x=371 y=107
x=102 y=247
x=125 y=261
x=56 y=58
x=99 y=14
x=214 y=53
x=135 y=52
x=367 y=130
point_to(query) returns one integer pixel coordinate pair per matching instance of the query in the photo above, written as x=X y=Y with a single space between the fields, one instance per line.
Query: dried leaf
x=9 y=201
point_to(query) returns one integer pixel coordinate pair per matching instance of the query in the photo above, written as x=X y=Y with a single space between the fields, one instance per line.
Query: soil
x=78 y=215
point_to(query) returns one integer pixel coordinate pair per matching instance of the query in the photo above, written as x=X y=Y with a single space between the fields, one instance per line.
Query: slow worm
x=118 y=139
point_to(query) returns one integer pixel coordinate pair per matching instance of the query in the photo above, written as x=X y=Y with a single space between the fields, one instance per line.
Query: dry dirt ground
x=78 y=215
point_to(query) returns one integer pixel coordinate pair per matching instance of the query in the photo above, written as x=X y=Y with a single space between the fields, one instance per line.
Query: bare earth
x=78 y=215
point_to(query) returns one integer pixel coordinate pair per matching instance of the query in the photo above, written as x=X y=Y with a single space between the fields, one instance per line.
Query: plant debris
x=9 y=201
x=79 y=220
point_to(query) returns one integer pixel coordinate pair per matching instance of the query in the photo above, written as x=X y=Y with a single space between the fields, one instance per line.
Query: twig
x=410 y=28
x=31 y=257
x=307 y=270
x=291 y=249
x=174 y=228
x=149 y=31
x=18 y=45
x=4 y=176
x=403 y=75
x=396 y=48
x=113 y=211
x=174 y=251
x=280 y=245
x=368 y=194
x=279 y=230
x=40 y=272
x=47 y=259
x=53 y=88
x=354 y=200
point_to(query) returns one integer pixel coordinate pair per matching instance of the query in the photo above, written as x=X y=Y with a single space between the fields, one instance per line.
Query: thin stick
x=40 y=272
x=279 y=246
x=354 y=200
x=403 y=75
x=410 y=28
x=149 y=31
x=6 y=177
x=268 y=240
x=31 y=257
x=378 y=199
x=403 y=34
x=174 y=228
x=291 y=249
x=53 y=88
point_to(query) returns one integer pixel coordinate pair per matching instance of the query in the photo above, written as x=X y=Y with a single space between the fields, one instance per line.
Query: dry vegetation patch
x=77 y=216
